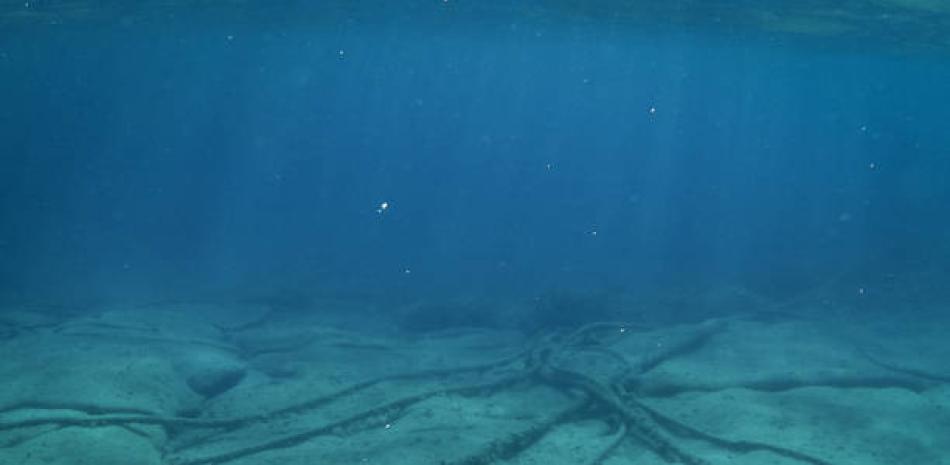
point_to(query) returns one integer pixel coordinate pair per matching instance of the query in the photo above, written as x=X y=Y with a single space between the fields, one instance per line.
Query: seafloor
x=204 y=383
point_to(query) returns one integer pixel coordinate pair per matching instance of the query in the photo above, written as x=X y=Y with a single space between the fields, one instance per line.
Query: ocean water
x=735 y=176
x=517 y=151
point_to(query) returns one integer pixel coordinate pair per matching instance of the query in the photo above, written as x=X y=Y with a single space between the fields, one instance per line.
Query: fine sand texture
x=190 y=384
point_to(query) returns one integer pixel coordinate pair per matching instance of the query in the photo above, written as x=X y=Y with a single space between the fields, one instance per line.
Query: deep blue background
x=182 y=157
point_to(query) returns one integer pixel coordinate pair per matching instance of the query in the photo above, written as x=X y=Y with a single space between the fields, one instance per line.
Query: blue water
x=187 y=156
x=459 y=232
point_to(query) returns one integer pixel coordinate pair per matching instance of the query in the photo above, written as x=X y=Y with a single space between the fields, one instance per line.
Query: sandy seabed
x=189 y=384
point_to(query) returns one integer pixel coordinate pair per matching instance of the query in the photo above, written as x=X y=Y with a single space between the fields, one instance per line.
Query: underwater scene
x=457 y=232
